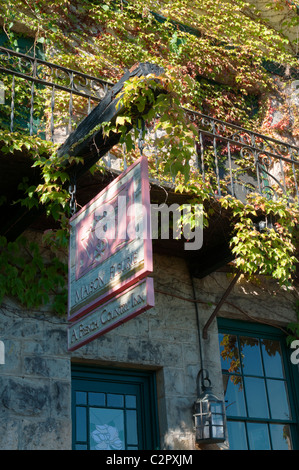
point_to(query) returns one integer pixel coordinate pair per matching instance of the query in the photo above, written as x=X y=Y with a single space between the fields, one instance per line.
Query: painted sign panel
x=110 y=241
x=123 y=307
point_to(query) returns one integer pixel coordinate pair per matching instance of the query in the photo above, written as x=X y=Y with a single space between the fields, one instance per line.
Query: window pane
x=234 y=395
x=115 y=400
x=272 y=358
x=237 y=435
x=130 y=401
x=256 y=397
x=280 y=435
x=229 y=353
x=81 y=398
x=81 y=424
x=96 y=399
x=258 y=436
x=106 y=429
x=132 y=438
x=279 y=405
x=251 y=356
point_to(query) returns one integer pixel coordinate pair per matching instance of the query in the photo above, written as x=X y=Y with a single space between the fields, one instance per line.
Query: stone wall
x=35 y=381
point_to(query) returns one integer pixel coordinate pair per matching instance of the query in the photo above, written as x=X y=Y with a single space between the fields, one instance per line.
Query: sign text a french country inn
x=123 y=307
x=110 y=242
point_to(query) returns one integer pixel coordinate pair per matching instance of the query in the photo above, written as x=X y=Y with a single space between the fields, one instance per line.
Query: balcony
x=244 y=161
x=62 y=106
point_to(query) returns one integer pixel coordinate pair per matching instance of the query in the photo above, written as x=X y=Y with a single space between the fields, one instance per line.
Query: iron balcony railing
x=236 y=161
x=243 y=161
x=49 y=100
x=45 y=98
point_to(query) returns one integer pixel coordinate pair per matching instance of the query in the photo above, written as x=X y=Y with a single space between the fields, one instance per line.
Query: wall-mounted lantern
x=208 y=413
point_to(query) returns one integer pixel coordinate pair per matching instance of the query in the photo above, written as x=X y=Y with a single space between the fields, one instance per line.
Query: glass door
x=113 y=410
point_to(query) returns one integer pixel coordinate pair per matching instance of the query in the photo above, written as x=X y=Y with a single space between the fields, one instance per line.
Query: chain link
x=140 y=138
x=72 y=192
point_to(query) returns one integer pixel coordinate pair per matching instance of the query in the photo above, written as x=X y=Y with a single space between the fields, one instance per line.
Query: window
x=21 y=43
x=258 y=381
x=113 y=409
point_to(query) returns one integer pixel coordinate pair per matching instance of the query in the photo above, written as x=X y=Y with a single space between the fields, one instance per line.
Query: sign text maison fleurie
x=106 y=272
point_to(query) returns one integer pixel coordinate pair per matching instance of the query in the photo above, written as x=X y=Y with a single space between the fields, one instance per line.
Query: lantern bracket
x=203 y=374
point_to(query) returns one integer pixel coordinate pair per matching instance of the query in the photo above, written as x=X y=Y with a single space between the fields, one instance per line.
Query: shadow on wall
x=179 y=438
x=182 y=438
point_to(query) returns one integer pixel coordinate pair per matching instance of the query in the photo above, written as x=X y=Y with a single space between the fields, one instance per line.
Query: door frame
x=146 y=379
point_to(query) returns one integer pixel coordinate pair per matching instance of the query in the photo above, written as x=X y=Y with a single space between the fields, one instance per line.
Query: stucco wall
x=35 y=381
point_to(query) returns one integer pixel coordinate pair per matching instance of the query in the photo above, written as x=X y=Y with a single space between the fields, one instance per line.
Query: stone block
x=55 y=339
x=49 y=434
x=60 y=399
x=174 y=381
x=24 y=397
x=54 y=368
x=9 y=435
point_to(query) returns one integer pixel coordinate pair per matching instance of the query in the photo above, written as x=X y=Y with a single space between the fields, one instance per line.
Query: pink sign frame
x=99 y=270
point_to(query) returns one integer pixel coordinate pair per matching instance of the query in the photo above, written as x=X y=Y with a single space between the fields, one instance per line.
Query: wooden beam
x=96 y=145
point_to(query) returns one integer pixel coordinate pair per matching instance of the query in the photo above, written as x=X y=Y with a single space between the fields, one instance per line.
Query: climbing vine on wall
x=215 y=48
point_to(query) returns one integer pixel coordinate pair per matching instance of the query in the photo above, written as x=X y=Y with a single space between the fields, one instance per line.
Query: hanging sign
x=110 y=242
x=121 y=308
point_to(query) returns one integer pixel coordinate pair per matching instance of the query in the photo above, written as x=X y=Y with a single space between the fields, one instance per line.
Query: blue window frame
x=113 y=409
x=259 y=383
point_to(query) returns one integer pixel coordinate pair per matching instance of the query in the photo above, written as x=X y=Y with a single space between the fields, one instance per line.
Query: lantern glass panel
x=198 y=421
x=216 y=408
x=217 y=420
x=205 y=408
x=206 y=432
x=218 y=432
